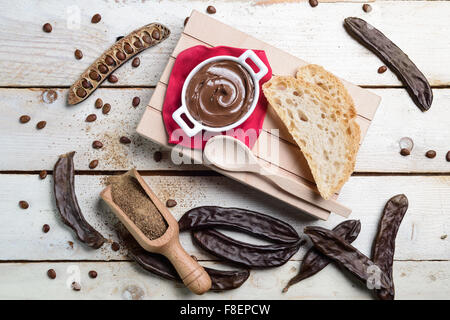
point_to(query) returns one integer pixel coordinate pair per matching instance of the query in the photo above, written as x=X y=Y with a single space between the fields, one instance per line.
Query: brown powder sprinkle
x=128 y=194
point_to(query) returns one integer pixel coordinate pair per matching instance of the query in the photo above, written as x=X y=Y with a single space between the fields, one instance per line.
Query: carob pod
x=414 y=80
x=314 y=261
x=246 y=254
x=67 y=204
x=161 y=266
x=384 y=243
x=348 y=257
x=254 y=223
x=114 y=57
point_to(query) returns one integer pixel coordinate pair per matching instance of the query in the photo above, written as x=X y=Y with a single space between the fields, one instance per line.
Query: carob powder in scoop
x=128 y=194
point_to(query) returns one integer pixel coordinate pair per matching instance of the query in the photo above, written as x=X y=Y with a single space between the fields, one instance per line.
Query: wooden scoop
x=230 y=154
x=192 y=274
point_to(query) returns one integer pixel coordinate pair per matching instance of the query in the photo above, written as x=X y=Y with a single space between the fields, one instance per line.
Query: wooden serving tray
x=205 y=30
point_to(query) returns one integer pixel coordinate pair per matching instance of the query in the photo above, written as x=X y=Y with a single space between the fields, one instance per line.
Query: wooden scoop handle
x=192 y=274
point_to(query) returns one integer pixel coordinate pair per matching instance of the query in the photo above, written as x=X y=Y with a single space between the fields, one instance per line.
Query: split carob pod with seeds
x=67 y=204
x=201 y=221
x=314 y=261
x=114 y=57
x=161 y=266
x=192 y=274
x=384 y=244
x=414 y=80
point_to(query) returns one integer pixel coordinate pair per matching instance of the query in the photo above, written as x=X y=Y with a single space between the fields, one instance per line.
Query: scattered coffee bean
x=86 y=84
x=118 y=38
x=103 y=69
x=447 y=157
x=110 y=61
x=443 y=237
x=186 y=20
x=112 y=78
x=78 y=54
x=76 y=286
x=115 y=246
x=45 y=228
x=96 y=18
x=405 y=152
x=43 y=174
x=124 y=140
x=367 y=7
x=93 y=164
x=47 y=27
x=41 y=124
x=106 y=108
x=51 y=273
x=23 y=204
x=430 y=154
x=211 y=10
x=98 y=103
x=128 y=49
x=97 y=144
x=92 y=274
x=81 y=92
x=171 y=203
x=313 y=3
x=136 y=101
x=70 y=244
x=24 y=119
x=382 y=69
x=157 y=156
x=91 y=118
x=156 y=35
x=136 y=62
x=120 y=55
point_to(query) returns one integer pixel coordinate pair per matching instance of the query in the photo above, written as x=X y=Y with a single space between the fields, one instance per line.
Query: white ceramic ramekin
x=256 y=77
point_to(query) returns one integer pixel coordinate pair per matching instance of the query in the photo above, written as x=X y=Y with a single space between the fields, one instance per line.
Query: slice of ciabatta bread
x=315 y=120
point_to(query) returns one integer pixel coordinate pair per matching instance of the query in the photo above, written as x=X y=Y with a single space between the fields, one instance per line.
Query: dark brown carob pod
x=67 y=204
x=384 y=244
x=417 y=85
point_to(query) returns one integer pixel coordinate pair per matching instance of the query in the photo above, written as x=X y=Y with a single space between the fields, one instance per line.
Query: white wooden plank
x=413 y=280
x=21 y=237
x=30 y=57
x=26 y=148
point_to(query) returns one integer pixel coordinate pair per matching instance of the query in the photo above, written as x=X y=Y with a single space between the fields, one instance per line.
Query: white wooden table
x=32 y=62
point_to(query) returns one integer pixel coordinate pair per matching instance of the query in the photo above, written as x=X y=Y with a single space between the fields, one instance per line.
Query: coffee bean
x=47 y=27
x=94 y=75
x=91 y=118
x=51 y=273
x=78 y=54
x=112 y=78
x=81 y=92
x=136 y=62
x=43 y=174
x=97 y=144
x=382 y=69
x=136 y=101
x=103 y=69
x=128 y=49
x=24 y=119
x=125 y=140
x=93 y=164
x=86 y=84
x=115 y=246
x=156 y=35
x=171 y=203
x=157 y=156
x=211 y=10
x=118 y=38
x=186 y=20
x=147 y=39
x=109 y=61
x=120 y=55
x=45 y=228
x=106 y=108
x=447 y=157
x=138 y=44
x=41 y=124
x=96 y=18
x=23 y=204
x=430 y=154
x=98 y=103
x=76 y=286
x=92 y=274
x=367 y=7
x=313 y=3
x=405 y=152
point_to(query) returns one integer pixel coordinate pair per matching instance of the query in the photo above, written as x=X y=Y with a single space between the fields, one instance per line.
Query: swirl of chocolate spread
x=220 y=93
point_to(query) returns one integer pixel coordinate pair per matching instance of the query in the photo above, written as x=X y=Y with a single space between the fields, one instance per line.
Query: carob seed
x=155 y=34
x=171 y=203
x=97 y=144
x=147 y=39
x=41 y=124
x=43 y=174
x=103 y=69
x=76 y=286
x=367 y=7
x=382 y=69
x=47 y=27
x=136 y=101
x=106 y=108
x=405 y=152
x=136 y=62
x=92 y=274
x=112 y=78
x=115 y=246
x=23 y=204
x=24 y=119
x=78 y=54
x=51 y=273
x=430 y=154
x=120 y=55
x=313 y=3
x=94 y=75
x=45 y=228
x=98 y=103
x=447 y=157
x=138 y=44
x=96 y=18
x=211 y=10
x=157 y=156
x=128 y=49
x=124 y=140
x=90 y=118
x=109 y=61
x=81 y=92
x=93 y=164
x=86 y=84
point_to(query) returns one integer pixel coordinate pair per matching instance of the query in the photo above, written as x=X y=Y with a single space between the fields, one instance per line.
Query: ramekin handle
x=183 y=125
x=250 y=54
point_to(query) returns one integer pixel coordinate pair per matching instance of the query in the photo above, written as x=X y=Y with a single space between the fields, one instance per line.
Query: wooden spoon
x=192 y=274
x=230 y=154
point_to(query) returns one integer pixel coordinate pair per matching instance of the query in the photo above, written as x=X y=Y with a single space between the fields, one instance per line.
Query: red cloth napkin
x=185 y=62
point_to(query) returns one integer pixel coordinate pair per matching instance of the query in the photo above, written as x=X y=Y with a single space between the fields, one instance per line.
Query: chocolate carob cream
x=128 y=194
x=220 y=93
